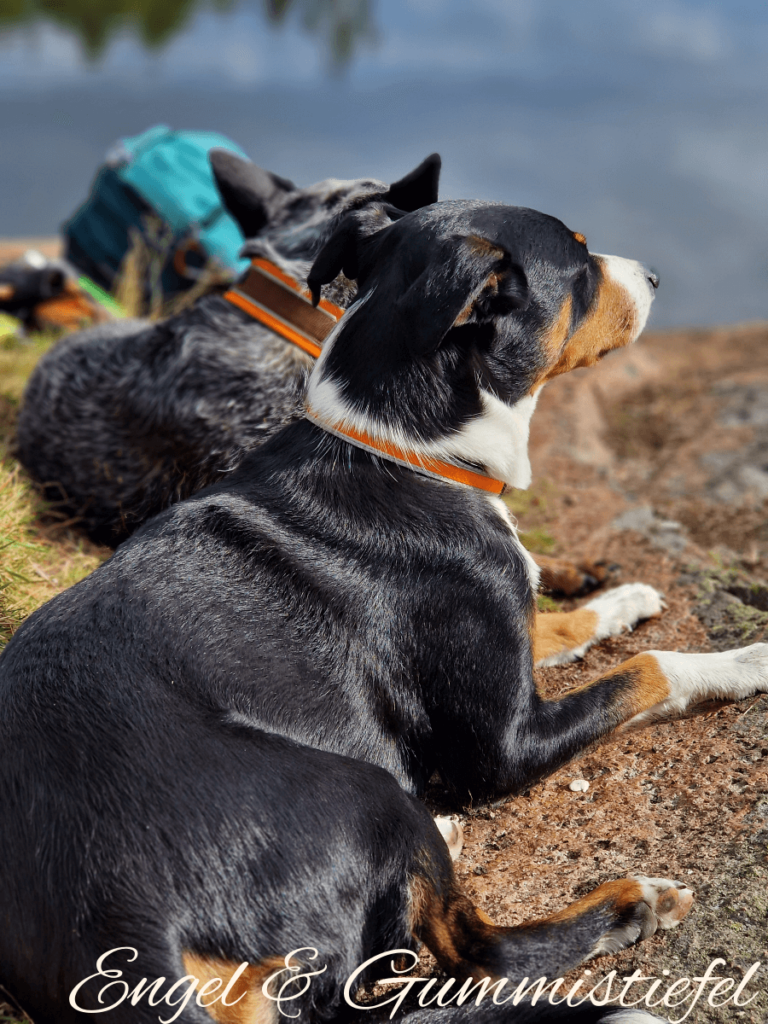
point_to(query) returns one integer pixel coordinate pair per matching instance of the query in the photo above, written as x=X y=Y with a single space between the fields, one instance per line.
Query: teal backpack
x=160 y=184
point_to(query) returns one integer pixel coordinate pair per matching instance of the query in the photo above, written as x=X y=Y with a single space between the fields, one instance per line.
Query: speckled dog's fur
x=121 y=420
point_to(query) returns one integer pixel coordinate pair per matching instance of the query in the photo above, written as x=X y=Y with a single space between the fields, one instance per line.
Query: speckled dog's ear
x=246 y=189
x=417 y=189
x=342 y=251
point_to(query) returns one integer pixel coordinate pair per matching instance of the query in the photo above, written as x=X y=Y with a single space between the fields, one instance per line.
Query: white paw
x=670 y=901
x=662 y=904
x=730 y=675
x=453 y=834
x=619 y=610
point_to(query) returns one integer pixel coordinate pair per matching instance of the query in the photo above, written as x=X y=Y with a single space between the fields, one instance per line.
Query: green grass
x=545 y=603
x=532 y=506
x=8 y=326
x=538 y=541
x=18 y=357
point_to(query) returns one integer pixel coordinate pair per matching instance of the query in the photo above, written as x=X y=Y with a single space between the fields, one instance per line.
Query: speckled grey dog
x=121 y=420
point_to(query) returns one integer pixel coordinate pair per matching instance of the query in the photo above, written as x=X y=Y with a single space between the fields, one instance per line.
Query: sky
x=641 y=123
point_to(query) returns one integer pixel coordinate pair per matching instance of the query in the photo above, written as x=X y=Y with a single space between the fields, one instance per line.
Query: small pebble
x=579 y=786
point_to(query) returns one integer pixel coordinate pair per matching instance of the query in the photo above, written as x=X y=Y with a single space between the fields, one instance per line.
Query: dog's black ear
x=246 y=189
x=429 y=285
x=476 y=274
x=417 y=189
x=339 y=254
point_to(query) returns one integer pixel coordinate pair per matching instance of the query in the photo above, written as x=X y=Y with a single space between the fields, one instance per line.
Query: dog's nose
x=653 y=277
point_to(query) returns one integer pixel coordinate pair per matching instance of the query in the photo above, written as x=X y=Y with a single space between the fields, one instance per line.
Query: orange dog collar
x=425 y=464
x=284 y=306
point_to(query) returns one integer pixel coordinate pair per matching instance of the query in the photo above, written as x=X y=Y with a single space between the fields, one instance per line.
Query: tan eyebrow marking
x=579 y=237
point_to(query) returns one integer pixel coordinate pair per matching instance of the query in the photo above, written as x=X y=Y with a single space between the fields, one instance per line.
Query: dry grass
x=36 y=562
x=38 y=558
x=138 y=286
x=17 y=360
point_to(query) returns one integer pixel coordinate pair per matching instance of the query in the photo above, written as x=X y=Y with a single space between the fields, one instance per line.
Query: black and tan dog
x=219 y=737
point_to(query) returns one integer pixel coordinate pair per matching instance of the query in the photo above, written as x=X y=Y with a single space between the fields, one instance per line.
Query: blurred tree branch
x=341 y=24
x=344 y=23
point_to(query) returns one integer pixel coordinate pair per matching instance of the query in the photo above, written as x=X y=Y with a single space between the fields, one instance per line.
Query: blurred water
x=641 y=123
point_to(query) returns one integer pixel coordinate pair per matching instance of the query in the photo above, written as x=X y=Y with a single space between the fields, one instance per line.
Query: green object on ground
x=103 y=298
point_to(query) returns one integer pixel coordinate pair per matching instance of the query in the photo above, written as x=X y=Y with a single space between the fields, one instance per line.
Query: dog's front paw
x=601 y=570
x=655 y=903
x=750 y=674
x=619 y=610
x=730 y=675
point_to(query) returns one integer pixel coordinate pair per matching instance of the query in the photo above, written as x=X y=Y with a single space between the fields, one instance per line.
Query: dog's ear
x=429 y=285
x=341 y=252
x=338 y=255
x=475 y=276
x=417 y=189
x=246 y=190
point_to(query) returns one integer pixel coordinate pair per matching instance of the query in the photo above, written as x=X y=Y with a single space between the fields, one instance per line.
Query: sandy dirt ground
x=656 y=460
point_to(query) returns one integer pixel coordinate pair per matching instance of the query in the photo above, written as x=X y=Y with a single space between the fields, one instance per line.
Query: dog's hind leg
x=138 y=975
x=613 y=916
x=561 y=576
x=540 y=1012
x=561 y=637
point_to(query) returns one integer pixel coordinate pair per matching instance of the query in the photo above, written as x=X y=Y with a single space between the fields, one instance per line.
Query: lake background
x=641 y=123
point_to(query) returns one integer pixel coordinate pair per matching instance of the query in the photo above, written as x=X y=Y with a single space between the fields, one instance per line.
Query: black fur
x=189 y=726
x=29 y=287
x=119 y=421
x=241 y=184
